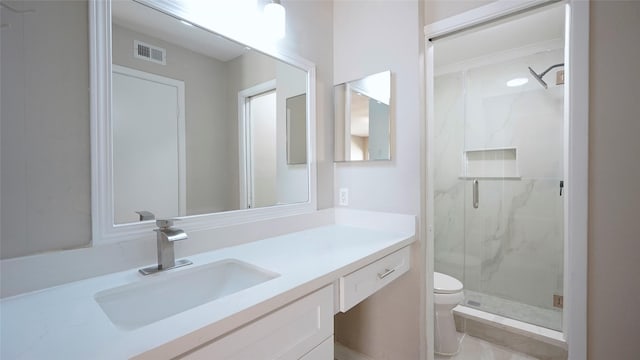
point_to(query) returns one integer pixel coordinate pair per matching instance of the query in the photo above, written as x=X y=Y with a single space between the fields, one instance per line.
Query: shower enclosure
x=499 y=165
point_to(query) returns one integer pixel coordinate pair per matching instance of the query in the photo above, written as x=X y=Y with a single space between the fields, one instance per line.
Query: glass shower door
x=498 y=160
x=512 y=160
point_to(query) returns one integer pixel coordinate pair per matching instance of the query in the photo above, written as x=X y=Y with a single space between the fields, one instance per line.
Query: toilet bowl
x=447 y=294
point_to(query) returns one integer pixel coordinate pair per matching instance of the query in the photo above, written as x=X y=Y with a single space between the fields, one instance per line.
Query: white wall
x=45 y=128
x=435 y=10
x=370 y=37
x=361 y=49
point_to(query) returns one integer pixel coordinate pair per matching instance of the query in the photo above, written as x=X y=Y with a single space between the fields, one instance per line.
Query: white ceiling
x=149 y=21
x=515 y=32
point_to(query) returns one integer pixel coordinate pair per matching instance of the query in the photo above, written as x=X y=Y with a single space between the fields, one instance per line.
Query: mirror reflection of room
x=363 y=122
x=184 y=126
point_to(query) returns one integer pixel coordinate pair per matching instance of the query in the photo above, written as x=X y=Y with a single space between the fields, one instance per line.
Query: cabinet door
x=323 y=351
x=287 y=333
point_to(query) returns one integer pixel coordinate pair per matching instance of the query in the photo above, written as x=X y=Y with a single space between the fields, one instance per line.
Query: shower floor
x=548 y=318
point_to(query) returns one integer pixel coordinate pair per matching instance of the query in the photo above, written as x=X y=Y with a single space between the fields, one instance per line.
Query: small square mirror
x=363 y=119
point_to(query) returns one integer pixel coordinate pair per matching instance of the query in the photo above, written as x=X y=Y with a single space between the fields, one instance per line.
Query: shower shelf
x=490 y=163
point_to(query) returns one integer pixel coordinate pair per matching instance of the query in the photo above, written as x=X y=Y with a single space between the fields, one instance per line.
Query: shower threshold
x=516 y=335
x=546 y=318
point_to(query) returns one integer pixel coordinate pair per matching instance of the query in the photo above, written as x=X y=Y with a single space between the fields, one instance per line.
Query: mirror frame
x=104 y=229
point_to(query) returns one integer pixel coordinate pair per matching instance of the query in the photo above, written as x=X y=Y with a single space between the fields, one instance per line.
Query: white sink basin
x=164 y=294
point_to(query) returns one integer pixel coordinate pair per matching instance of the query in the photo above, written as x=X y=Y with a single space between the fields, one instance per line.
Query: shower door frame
x=575 y=157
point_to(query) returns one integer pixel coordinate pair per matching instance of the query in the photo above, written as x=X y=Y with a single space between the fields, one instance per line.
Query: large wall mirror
x=180 y=121
x=363 y=119
x=200 y=125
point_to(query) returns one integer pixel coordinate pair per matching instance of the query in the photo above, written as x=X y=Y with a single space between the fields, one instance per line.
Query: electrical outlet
x=343 y=200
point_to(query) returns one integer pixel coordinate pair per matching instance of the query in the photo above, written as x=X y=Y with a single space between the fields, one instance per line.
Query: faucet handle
x=165 y=223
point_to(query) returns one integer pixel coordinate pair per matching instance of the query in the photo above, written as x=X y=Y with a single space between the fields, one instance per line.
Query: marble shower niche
x=508 y=250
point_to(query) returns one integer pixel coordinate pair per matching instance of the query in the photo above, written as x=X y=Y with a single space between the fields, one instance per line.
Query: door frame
x=575 y=154
x=182 y=152
x=244 y=139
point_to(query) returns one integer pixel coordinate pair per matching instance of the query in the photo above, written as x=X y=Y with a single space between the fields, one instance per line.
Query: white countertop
x=65 y=322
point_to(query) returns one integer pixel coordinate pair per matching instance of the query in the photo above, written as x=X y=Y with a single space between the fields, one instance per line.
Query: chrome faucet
x=166 y=236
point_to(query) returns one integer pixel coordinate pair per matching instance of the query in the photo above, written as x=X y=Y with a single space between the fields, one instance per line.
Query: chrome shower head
x=538 y=77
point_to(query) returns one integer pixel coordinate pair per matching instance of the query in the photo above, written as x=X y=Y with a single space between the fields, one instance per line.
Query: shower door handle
x=475 y=194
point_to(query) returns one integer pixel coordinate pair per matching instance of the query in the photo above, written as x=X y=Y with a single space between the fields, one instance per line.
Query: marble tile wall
x=510 y=246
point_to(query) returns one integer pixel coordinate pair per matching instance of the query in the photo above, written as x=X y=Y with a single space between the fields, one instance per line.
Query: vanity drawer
x=286 y=334
x=363 y=282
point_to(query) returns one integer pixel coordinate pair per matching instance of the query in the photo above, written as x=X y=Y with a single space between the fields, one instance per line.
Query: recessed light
x=517 y=82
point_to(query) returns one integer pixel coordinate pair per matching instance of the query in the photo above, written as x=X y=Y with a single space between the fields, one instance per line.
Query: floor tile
x=475 y=349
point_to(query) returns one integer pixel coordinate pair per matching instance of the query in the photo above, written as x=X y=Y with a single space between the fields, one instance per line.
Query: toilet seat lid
x=445 y=284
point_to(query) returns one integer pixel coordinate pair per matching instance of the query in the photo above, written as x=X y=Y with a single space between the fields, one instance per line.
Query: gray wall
x=46 y=201
x=613 y=318
x=209 y=140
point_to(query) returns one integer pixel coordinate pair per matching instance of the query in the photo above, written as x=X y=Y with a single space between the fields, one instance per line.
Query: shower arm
x=542 y=74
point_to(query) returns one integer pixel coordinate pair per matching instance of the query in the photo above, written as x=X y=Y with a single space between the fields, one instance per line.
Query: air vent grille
x=149 y=52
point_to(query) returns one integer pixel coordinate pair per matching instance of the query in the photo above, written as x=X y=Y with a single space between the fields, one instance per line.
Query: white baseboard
x=342 y=352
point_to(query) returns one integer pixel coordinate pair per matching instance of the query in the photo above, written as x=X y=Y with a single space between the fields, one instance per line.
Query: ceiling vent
x=149 y=52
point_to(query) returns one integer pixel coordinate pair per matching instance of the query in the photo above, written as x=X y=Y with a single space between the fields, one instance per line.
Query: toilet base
x=447 y=340
x=460 y=337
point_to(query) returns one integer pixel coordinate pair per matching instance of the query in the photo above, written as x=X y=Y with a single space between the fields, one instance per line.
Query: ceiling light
x=274 y=14
x=517 y=82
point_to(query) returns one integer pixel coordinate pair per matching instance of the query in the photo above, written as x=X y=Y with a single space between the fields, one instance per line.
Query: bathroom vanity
x=268 y=269
x=304 y=278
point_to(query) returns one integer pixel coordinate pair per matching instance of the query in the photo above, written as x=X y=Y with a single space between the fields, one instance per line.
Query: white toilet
x=447 y=294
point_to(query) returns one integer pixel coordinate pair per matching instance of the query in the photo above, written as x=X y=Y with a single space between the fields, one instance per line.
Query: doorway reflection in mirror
x=363 y=119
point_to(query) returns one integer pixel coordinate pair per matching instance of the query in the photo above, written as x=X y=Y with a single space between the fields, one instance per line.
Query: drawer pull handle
x=386 y=273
